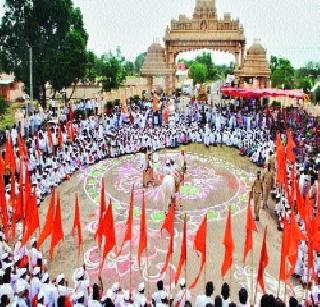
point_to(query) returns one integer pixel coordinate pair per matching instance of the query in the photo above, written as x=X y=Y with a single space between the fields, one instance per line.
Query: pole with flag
x=263 y=263
x=229 y=247
x=183 y=251
x=248 y=243
x=77 y=223
x=200 y=246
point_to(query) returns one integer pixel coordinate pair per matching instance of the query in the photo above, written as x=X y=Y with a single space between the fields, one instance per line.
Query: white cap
x=45 y=277
x=20 y=287
x=36 y=271
x=115 y=287
x=17 y=257
x=40 y=295
x=79 y=273
x=109 y=294
x=21 y=271
x=60 y=277
x=6 y=265
x=141 y=287
x=80 y=295
x=182 y=282
x=126 y=295
x=4 y=256
x=163 y=295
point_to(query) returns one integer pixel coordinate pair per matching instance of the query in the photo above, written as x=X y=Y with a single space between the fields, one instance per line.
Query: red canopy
x=258 y=93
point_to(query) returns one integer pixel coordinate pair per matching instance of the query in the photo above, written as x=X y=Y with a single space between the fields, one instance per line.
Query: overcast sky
x=288 y=28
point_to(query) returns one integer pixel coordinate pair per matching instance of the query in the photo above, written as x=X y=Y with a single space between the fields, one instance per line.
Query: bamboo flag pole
x=252 y=272
x=148 y=282
x=185 y=265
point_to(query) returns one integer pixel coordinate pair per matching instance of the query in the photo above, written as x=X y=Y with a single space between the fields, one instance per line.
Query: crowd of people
x=52 y=151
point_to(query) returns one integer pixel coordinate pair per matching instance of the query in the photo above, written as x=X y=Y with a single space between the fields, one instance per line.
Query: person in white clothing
x=140 y=299
x=183 y=294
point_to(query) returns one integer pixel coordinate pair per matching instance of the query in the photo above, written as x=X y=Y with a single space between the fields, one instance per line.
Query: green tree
x=198 y=72
x=282 y=73
x=113 y=71
x=46 y=26
x=305 y=83
x=129 y=66
x=139 y=61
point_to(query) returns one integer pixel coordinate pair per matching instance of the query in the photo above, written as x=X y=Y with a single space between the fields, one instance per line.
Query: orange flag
x=108 y=233
x=47 y=228
x=183 y=251
x=3 y=206
x=229 y=247
x=57 y=231
x=98 y=234
x=129 y=223
x=77 y=223
x=168 y=224
x=250 y=227
x=281 y=164
x=200 y=245
x=32 y=220
x=263 y=262
x=295 y=237
x=143 y=239
x=284 y=251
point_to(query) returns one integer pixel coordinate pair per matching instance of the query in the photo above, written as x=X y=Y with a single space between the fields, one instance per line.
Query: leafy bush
x=3 y=105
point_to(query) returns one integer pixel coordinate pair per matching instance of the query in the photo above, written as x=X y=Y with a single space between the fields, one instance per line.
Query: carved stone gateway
x=203 y=30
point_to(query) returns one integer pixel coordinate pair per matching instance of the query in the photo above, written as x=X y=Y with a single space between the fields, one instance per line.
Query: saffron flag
x=183 y=251
x=98 y=234
x=200 y=245
x=168 y=224
x=108 y=233
x=229 y=247
x=77 y=223
x=284 y=251
x=250 y=227
x=47 y=228
x=143 y=238
x=129 y=223
x=263 y=262
x=32 y=220
x=57 y=231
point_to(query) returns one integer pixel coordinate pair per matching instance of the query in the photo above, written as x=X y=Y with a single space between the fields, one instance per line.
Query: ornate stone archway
x=204 y=30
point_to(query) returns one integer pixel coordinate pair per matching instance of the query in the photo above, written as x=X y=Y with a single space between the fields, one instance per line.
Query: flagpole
x=148 y=286
x=185 y=265
x=170 y=259
x=252 y=272
x=130 y=278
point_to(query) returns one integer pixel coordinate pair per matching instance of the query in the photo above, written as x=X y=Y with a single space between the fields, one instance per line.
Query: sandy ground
x=66 y=258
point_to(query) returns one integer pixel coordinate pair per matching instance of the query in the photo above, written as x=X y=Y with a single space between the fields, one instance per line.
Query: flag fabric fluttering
x=57 y=231
x=47 y=228
x=183 y=251
x=143 y=238
x=200 y=245
x=168 y=224
x=108 y=232
x=32 y=220
x=229 y=247
x=263 y=262
x=284 y=251
x=77 y=223
x=250 y=227
x=98 y=234
x=129 y=223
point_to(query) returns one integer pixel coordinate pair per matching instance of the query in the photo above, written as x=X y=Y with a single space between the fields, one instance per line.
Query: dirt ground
x=195 y=202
